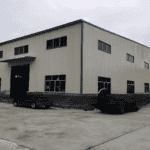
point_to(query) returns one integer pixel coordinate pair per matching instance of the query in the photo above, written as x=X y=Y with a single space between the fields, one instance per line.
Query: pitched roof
x=63 y=26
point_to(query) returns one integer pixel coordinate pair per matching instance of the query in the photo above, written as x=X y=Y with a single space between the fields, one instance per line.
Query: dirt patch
x=23 y=137
x=13 y=128
x=26 y=135
x=61 y=135
x=56 y=134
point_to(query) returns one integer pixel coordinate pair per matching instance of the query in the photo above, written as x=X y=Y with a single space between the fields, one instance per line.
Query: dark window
x=104 y=47
x=1 y=54
x=146 y=65
x=100 y=45
x=146 y=87
x=46 y=90
x=56 y=42
x=63 y=41
x=100 y=85
x=62 y=77
x=130 y=58
x=57 y=88
x=105 y=85
x=62 y=88
x=21 y=50
x=127 y=57
x=55 y=83
x=100 y=79
x=48 y=77
x=50 y=44
x=109 y=49
x=16 y=51
x=55 y=77
x=108 y=79
x=109 y=88
x=47 y=85
x=104 y=79
x=26 y=49
x=130 y=86
x=104 y=82
x=52 y=85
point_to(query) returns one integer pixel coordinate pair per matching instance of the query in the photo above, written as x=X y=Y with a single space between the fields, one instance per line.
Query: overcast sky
x=128 y=18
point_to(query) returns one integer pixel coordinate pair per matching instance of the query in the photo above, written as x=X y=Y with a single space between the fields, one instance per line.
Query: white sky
x=128 y=18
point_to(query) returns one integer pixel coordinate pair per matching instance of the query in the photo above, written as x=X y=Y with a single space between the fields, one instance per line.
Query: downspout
x=81 y=75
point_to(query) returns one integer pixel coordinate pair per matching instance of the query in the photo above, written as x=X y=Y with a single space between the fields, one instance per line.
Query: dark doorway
x=19 y=83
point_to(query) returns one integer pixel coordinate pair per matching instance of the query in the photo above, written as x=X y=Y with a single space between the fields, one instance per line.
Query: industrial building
x=78 y=58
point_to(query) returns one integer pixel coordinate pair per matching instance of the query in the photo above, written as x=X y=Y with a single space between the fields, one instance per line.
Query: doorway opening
x=19 y=80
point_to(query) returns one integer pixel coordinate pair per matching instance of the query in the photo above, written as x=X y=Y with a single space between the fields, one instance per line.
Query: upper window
x=130 y=58
x=58 y=42
x=104 y=47
x=146 y=65
x=21 y=50
x=1 y=54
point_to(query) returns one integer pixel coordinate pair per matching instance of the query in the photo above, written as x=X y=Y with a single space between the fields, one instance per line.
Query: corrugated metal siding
x=114 y=68
x=65 y=60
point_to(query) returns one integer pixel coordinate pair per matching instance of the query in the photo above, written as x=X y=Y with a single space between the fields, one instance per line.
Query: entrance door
x=19 y=80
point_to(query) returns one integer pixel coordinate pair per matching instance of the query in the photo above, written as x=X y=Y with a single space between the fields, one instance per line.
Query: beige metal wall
x=97 y=63
x=65 y=60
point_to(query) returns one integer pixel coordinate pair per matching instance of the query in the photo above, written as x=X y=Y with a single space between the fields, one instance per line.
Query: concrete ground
x=70 y=129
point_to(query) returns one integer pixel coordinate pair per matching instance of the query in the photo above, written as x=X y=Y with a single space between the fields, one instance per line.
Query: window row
x=55 y=83
x=104 y=82
x=21 y=50
x=107 y=48
x=58 y=42
x=130 y=58
x=104 y=47
x=53 y=43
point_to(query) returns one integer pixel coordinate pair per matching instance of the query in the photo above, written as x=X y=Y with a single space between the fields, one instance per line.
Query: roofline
x=63 y=26
x=42 y=32
x=113 y=33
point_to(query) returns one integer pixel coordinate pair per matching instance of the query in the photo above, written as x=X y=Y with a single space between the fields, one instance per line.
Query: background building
x=77 y=57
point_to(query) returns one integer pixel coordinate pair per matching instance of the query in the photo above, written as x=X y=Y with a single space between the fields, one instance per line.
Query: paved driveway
x=71 y=129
